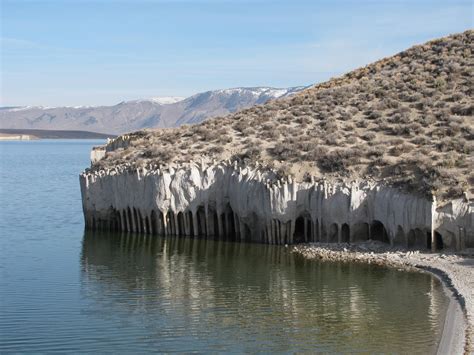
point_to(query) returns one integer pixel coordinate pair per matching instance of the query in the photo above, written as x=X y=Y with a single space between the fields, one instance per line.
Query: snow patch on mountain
x=260 y=91
x=167 y=100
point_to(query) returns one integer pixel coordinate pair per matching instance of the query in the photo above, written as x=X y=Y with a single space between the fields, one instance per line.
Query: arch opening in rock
x=228 y=223
x=378 y=232
x=121 y=222
x=400 y=239
x=174 y=223
x=247 y=233
x=253 y=229
x=135 y=220
x=428 y=240
x=333 y=233
x=232 y=225
x=153 y=222
x=138 y=220
x=438 y=241
x=411 y=239
x=299 y=235
x=141 y=225
x=451 y=241
x=360 y=232
x=201 y=221
x=170 y=223
x=416 y=239
x=147 y=225
x=223 y=226
x=303 y=229
x=161 y=223
x=115 y=220
x=125 y=227
x=324 y=234
x=215 y=224
x=345 y=233
x=130 y=220
x=212 y=222
x=191 y=223
x=181 y=224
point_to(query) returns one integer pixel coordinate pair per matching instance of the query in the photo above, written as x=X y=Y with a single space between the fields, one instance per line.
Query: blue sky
x=66 y=52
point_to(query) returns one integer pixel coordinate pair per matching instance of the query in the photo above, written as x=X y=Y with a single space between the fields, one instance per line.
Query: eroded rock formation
x=228 y=201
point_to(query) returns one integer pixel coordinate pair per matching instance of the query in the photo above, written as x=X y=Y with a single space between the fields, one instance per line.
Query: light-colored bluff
x=240 y=203
x=320 y=166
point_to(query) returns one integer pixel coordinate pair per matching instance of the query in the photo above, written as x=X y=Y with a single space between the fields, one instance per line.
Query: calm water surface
x=65 y=290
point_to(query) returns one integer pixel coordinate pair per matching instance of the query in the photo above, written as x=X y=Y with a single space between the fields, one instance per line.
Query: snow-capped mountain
x=128 y=116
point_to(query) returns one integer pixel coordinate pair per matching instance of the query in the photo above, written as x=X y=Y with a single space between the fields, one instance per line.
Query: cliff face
x=242 y=204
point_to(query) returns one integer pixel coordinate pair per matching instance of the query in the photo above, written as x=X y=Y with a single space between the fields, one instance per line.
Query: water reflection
x=190 y=294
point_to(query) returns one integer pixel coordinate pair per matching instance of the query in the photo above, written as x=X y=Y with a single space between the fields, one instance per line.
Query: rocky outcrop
x=241 y=203
x=98 y=152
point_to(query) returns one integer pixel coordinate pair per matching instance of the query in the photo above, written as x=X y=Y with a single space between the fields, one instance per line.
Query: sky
x=85 y=52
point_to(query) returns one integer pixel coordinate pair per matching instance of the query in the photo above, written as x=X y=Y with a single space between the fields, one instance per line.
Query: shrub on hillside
x=337 y=161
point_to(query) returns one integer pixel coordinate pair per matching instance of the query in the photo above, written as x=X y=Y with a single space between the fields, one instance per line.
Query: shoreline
x=455 y=327
x=17 y=137
x=7 y=134
x=34 y=139
x=455 y=272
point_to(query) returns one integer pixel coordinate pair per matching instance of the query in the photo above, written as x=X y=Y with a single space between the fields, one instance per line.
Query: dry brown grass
x=407 y=119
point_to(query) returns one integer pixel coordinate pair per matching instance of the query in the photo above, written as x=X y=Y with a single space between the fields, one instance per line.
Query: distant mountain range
x=138 y=114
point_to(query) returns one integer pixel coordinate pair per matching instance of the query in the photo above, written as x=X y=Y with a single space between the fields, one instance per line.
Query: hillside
x=138 y=114
x=406 y=120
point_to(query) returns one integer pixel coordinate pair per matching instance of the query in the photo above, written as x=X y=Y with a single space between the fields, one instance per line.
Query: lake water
x=65 y=290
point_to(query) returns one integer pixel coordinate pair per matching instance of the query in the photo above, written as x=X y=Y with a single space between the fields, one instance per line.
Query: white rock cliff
x=240 y=203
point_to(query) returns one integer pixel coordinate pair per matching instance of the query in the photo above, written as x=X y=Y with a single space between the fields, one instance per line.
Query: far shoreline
x=457 y=333
x=36 y=139
x=35 y=134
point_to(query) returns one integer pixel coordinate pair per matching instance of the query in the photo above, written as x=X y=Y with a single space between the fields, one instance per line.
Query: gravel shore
x=456 y=272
